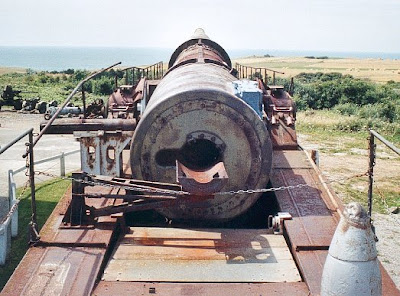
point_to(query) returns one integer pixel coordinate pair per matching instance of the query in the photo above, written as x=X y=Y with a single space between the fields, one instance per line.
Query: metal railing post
x=12 y=198
x=372 y=147
x=33 y=233
x=62 y=164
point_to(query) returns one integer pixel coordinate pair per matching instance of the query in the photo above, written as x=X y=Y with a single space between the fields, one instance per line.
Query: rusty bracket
x=139 y=196
x=276 y=222
x=77 y=211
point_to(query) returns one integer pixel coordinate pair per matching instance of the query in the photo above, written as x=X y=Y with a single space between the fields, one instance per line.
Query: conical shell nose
x=200 y=34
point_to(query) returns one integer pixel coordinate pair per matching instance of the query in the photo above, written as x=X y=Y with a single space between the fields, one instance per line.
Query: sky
x=322 y=25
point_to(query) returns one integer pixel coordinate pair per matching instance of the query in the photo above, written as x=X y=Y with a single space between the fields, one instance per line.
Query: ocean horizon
x=49 y=58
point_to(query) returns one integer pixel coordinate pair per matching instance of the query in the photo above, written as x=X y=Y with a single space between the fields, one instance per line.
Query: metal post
x=157 y=68
x=372 y=155
x=265 y=77
x=62 y=165
x=273 y=78
x=84 y=100
x=34 y=232
x=291 y=87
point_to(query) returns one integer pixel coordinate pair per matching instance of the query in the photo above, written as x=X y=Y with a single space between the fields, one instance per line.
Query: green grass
x=47 y=196
x=321 y=128
x=383 y=197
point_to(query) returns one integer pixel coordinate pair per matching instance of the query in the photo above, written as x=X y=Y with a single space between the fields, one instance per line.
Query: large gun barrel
x=198 y=117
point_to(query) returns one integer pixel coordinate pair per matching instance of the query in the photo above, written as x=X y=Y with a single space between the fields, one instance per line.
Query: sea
x=91 y=58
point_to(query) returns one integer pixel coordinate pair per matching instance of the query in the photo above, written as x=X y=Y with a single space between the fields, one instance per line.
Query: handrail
x=47 y=159
x=243 y=71
x=4 y=149
x=156 y=70
x=384 y=141
x=12 y=215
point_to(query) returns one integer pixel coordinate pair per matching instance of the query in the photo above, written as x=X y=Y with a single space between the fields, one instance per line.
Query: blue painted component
x=249 y=92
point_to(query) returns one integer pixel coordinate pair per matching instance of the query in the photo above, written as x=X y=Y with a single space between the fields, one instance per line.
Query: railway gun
x=192 y=183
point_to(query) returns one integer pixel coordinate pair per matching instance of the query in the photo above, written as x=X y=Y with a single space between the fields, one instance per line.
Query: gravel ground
x=12 y=124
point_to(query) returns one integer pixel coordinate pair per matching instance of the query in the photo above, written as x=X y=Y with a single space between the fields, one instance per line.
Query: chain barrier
x=15 y=205
x=175 y=192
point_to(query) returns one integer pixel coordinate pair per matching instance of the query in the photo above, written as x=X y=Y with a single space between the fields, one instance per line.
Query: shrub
x=103 y=86
x=347 y=109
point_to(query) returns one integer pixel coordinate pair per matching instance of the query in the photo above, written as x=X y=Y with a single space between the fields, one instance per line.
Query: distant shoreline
x=90 y=58
x=374 y=69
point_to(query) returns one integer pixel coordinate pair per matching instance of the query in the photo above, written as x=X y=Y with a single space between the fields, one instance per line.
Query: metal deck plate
x=212 y=255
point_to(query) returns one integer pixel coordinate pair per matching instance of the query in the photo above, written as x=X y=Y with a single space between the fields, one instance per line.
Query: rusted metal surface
x=138 y=195
x=101 y=152
x=283 y=137
x=210 y=255
x=60 y=272
x=69 y=261
x=193 y=289
x=176 y=112
x=281 y=112
x=121 y=103
x=388 y=286
x=311 y=264
x=192 y=112
x=96 y=109
x=194 y=49
x=290 y=159
x=134 y=184
x=69 y=126
x=313 y=224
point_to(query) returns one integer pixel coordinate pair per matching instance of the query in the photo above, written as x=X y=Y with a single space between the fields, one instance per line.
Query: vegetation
x=344 y=156
x=318 y=58
x=335 y=113
x=364 y=104
x=47 y=196
x=57 y=86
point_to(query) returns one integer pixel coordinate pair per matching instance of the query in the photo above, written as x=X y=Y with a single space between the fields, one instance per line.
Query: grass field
x=377 y=70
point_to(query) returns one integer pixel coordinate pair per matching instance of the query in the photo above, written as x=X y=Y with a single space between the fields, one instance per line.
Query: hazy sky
x=328 y=25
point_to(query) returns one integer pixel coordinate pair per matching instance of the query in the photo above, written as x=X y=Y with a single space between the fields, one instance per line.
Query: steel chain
x=175 y=192
x=15 y=205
